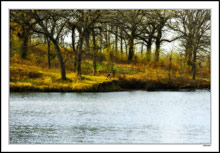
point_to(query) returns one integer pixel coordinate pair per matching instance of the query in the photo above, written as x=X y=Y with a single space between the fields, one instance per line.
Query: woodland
x=75 y=50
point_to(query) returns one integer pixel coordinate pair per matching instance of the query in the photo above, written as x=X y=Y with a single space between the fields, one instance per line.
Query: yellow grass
x=25 y=76
x=33 y=77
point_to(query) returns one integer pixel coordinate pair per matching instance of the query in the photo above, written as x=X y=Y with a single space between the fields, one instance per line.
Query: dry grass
x=32 y=78
x=26 y=76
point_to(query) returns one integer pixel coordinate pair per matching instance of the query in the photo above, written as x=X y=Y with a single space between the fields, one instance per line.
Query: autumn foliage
x=124 y=43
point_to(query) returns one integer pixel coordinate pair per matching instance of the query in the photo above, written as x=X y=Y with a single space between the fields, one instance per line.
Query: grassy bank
x=28 y=77
x=33 y=78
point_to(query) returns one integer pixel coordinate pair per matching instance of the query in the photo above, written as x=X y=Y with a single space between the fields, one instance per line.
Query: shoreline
x=156 y=90
x=117 y=86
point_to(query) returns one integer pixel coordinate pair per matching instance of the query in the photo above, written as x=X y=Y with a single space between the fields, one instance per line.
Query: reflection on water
x=114 y=117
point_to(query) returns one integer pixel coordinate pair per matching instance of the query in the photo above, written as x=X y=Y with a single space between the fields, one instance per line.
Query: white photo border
x=214 y=6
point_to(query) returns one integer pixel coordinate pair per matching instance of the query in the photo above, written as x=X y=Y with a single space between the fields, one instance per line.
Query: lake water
x=110 y=118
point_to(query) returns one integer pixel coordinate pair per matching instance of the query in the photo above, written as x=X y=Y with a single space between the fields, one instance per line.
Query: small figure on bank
x=108 y=77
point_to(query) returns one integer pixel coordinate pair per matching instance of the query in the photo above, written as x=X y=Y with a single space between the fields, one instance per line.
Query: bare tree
x=53 y=32
x=148 y=30
x=193 y=26
x=85 y=24
x=162 y=16
x=129 y=21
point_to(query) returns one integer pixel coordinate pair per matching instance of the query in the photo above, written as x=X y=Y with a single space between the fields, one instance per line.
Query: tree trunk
x=87 y=34
x=158 y=42
x=106 y=35
x=194 y=65
x=62 y=66
x=101 y=46
x=94 y=53
x=116 y=43
x=149 y=51
x=126 y=48
x=131 y=48
x=74 y=49
x=189 y=62
x=157 y=51
x=121 y=45
x=188 y=52
x=48 y=52
x=24 y=47
x=78 y=70
x=189 y=56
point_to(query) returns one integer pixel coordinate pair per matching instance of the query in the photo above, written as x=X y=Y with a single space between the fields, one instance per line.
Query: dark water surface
x=112 y=117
